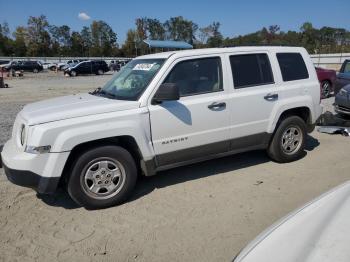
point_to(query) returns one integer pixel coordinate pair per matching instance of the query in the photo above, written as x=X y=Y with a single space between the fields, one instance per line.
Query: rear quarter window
x=292 y=66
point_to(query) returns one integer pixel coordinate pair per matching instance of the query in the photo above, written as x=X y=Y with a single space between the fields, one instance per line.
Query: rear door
x=255 y=94
x=85 y=68
x=197 y=125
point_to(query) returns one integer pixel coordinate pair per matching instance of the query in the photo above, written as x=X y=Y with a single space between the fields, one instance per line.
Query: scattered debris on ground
x=334 y=130
x=330 y=119
x=330 y=123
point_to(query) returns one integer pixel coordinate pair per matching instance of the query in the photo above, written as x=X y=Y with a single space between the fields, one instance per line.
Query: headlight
x=23 y=135
x=343 y=92
x=37 y=149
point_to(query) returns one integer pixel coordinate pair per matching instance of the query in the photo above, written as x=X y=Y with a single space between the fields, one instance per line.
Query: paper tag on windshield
x=143 y=67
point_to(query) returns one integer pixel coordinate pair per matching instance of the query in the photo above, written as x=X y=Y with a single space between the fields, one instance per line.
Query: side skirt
x=238 y=145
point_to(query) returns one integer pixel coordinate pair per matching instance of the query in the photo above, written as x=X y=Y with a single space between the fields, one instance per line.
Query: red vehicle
x=327 y=79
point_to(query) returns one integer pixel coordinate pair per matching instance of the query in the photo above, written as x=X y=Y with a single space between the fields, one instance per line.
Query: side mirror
x=166 y=92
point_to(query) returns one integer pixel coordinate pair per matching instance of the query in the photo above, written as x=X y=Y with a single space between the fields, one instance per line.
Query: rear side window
x=251 y=70
x=292 y=66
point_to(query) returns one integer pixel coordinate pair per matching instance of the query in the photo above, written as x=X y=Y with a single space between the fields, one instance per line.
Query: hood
x=72 y=106
x=324 y=69
x=318 y=232
x=347 y=88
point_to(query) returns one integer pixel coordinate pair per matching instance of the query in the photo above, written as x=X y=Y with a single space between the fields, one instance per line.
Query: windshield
x=131 y=81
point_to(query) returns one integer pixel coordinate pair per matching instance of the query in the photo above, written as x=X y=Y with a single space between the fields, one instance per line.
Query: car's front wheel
x=102 y=177
x=73 y=73
x=35 y=70
x=100 y=72
x=288 y=142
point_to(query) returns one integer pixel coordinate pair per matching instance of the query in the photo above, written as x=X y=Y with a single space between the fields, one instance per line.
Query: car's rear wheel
x=288 y=142
x=325 y=89
x=102 y=177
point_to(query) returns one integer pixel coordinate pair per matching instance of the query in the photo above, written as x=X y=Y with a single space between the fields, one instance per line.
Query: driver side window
x=197 y=76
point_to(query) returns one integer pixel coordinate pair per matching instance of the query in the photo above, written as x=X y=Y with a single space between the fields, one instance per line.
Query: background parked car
x=343 y=77
x=342 y=102
x=49 y=66
x=69 y=63
x=114 y=65
x=30 y=66
x=327 y=79
x=97 y=67
x=4 y=62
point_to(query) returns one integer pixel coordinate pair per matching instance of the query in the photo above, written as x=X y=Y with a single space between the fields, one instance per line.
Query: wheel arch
x=127 y=142
x=303 y=112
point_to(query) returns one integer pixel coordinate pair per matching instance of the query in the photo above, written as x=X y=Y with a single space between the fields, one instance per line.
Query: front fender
x=64 y=135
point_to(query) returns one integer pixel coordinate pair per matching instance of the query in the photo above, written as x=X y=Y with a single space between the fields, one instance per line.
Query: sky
x=236 y=16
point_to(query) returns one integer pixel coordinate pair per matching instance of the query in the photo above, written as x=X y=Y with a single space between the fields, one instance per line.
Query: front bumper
x=342 y=104
x=41 y=172
x=43 y=185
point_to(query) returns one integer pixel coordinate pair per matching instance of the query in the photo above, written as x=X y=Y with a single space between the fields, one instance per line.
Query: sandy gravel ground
x=202 y=212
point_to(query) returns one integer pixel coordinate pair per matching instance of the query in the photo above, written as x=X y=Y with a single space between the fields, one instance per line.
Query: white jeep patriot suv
x=161 y=111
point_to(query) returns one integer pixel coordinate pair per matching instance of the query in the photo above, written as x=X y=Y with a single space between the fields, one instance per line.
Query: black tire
x=35 y=71
x=100 y=72
x=278 y=148
x=326 y=89
x=78 y=187
x=73 y=73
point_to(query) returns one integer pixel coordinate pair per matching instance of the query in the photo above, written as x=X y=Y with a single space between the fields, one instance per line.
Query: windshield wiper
x=96 y=91
x=100 y=91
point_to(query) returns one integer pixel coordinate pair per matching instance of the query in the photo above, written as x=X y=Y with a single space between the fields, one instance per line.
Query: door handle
x=271 y=97
x=216 y=105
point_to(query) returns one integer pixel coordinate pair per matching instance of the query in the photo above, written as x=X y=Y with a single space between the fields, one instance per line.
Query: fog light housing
x=38 y=149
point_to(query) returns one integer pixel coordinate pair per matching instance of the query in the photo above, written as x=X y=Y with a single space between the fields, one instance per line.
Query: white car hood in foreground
x=72 y=106
x=318 y=232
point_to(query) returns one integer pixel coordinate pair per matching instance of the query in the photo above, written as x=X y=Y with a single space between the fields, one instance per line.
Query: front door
x=197 y=125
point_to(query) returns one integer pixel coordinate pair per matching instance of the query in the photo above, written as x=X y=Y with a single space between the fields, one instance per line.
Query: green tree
x=216 y=39
x=77 y=44
x=180 y=29
x=6 y=43
x=155 y=29
x=129 y=45
x=60 y=39
x=103 y=39
x=20 y=48
x=309 y=38
x=38 y=37
x=86 y=40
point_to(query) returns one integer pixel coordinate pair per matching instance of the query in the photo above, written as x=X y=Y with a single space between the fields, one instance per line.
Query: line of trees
x=39 y=38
